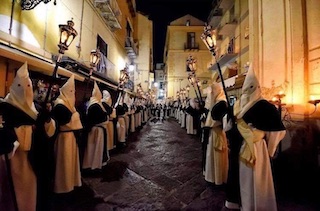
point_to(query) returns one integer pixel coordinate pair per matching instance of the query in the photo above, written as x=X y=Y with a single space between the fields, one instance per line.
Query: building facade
x=281 y=39
x=32 y=34
x=183 y=39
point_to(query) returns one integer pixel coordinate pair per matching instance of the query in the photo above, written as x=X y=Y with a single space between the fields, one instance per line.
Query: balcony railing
x=110 y=11
x=215 y=17
x=191 y=46
x=131 y=48
x=226 y=4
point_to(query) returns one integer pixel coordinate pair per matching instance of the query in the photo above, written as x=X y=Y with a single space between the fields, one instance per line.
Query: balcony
x=215 y=17
x=131 y=48
x=228 y=28
x=226 y=4
x=110 y=11
x=191 y=46
x=224 y=60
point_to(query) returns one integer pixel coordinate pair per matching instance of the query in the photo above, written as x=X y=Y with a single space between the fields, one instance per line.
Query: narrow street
x=160 y=169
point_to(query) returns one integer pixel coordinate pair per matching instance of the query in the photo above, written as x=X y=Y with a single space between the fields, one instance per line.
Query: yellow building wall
x=145 y=34
x=37 y=31
x=176 y=66
x=284 y=46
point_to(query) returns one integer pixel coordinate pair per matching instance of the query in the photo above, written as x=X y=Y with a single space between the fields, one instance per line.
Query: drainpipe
x=80 y=33
x=11 y=17
x=6 y=78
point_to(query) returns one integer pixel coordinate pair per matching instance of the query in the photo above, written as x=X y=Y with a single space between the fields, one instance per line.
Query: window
x=102 y=46
x=191 y=39
x=129 y=30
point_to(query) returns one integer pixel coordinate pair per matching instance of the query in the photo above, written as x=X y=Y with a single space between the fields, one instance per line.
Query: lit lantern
x=209 y=38
x=94 y=58
x=67 y=35
x=191 y=62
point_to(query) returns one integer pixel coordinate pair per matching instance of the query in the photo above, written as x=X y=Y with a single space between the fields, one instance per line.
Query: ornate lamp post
x=123 y=79
x=94 y=61
x=67 y=35
x=209 y=40
x=191 y=62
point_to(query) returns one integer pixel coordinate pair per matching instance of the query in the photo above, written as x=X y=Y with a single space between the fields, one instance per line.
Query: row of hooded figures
x=39 y=146
x=238 y=142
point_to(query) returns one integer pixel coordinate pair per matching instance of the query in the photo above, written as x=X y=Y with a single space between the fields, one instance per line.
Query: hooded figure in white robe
x=96 y=153
x=126 y=103
x=67 y=171
x=132 y=116
x=261 y=128
x=26 y=125
x=121 y=124
x=107 y=103
x=216 y=157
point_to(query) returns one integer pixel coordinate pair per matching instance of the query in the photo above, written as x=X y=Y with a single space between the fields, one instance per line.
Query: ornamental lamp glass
x=67 y=35
x=188 y=88
x=94 y=58
x=123 y=76
x=208 y=38
x=191 y=62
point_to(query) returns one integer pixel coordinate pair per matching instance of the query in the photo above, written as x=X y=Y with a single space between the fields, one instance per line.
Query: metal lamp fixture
x=191 y=62
x=124 y=77
x=94 y=58
x=67 y=35
x=94 y=61
x=209 y=40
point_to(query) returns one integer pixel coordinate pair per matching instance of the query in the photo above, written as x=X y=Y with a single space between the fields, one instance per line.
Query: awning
x=230 y=81
x=225 y=59
x=234 y=82
x=36 y=63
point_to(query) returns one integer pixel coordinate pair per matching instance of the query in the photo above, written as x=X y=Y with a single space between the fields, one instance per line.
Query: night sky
x=162 y=12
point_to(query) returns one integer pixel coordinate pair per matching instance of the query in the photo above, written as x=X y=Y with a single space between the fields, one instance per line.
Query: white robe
x=121 y=128
x=256 y=183
x=23 y=176
x=94 y=152
x=216 y=168
x=67 y=174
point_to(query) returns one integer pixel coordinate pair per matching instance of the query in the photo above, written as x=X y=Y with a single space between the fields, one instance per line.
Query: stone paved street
x=160 y=169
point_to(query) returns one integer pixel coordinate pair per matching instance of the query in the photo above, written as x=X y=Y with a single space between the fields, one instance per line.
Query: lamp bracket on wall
x=31 y=4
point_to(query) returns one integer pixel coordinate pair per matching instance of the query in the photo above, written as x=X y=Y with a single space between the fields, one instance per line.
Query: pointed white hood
x=67 y=95
x=21 y=92
x=126 y=99
x=96 y=96
x=251 y=93
x=106 y=97
x=215 y=94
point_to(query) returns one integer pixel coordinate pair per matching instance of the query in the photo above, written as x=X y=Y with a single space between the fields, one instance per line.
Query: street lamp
x=191 y=62
x=209 y=40
x=123 y=79
x=67 y=35
x=94 y=60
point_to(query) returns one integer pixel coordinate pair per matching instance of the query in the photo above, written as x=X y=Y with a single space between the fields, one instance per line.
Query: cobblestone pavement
x=160 y=169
